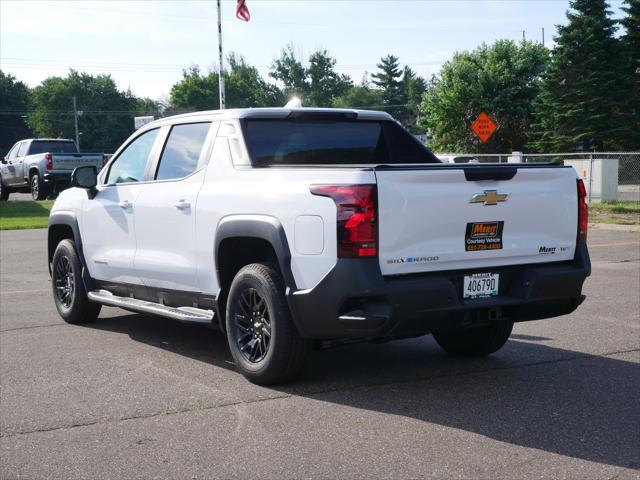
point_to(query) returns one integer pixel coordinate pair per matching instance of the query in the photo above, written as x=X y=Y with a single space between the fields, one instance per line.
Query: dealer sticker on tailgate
x=483 y=236
x=480 y=285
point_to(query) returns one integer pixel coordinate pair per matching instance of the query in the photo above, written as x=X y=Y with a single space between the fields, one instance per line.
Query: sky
x=145 y=45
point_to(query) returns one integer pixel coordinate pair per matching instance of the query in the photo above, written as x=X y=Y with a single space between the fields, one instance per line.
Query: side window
x=181 y=152
x=12 y=153
x=22 y=149
x=405 y=148
x=132 y=161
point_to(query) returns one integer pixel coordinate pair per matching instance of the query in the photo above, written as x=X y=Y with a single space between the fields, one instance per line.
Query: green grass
x=618 y=213
x=615 y=207
x=23 y=215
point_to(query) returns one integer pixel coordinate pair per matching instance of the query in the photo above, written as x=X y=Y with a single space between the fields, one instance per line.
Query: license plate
x=480 y=285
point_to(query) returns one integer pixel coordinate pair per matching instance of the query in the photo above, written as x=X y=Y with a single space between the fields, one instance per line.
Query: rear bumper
x=354 y=300
x=57 y=177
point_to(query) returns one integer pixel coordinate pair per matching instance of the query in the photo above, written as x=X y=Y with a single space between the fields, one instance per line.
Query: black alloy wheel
x=63 y=278
x=252 y=325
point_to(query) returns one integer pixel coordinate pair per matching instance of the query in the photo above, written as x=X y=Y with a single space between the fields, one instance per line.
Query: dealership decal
x=483 y=236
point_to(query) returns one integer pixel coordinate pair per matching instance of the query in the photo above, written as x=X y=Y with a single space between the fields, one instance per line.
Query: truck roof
x=281 y=112
x=46 y=140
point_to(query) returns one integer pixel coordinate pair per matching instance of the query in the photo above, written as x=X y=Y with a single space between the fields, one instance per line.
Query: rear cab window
x=274 y=142
x=47 y=146
x=181 y=151
x=22 y=149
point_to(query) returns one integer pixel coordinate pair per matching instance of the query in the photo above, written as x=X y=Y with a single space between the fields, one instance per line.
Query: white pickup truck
x=42 y=166
x=288 y=228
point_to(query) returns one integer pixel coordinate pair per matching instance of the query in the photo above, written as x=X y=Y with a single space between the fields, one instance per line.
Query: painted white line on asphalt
x=16 y=292
x=622 y=244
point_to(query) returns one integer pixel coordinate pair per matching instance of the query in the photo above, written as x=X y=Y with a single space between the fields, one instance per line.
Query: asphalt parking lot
x=134 y=396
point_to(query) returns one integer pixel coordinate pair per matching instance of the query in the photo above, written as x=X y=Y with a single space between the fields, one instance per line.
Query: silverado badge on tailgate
x=483 y=236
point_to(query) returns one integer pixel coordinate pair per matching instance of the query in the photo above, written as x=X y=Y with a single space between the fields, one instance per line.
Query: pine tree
x=387 y=79
x=631 y=73
x=580 y=101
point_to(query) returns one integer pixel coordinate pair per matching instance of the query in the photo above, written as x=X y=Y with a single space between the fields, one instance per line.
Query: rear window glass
x=52 y=147
x=182 y=150
x=331 y=142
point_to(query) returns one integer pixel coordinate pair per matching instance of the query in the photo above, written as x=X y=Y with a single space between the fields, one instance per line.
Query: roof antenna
x=295 y=102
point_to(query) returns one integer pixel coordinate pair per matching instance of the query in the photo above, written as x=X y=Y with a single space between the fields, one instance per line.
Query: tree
x=580 y=100
x=358 y=97
x=388 y=81
x=244 y=87
x=317 y=85
x=631 y=74
x=324 y=83
x=413 y=88
x=195 y=91
x=501 y=80
x=107 y=113
x=290 y=71
x=14 y=101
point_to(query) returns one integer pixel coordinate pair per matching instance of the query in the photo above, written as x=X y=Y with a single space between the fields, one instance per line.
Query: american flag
x=242 y=12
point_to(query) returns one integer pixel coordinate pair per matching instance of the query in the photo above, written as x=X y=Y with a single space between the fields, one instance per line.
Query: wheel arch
x=33 y=170
x=63 y=225
x=244 y=239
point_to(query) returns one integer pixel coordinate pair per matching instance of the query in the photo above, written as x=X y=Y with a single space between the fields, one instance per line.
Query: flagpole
x=221 y=58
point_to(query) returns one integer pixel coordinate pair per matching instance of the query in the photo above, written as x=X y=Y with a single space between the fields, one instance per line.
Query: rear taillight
x=583 y=213
x=49 y=158
x=357 y=218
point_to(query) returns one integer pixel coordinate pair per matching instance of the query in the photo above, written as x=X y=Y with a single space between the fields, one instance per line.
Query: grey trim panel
x=263 y=227
x=69 y=219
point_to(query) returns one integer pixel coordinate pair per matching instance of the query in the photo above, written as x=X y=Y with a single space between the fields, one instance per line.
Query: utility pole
x=543 y=36
x=523 y=36
x=221 y=58
x=75 y=118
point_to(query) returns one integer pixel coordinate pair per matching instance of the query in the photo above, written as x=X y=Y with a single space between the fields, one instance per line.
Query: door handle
x=126 y=204
x=182 y=205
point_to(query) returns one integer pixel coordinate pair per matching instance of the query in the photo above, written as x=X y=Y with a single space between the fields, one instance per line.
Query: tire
x=39 y=190
x=4 y=192
x=476 y=342
x=68 y=289
x=262 y=338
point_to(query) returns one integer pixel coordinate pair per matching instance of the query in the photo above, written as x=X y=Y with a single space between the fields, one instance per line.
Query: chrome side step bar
x=183 y=314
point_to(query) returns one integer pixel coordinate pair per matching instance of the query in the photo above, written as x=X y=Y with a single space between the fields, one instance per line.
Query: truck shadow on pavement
x=529 y=394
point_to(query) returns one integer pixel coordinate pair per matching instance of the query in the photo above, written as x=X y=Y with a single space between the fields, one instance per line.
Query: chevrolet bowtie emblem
x=489 y=197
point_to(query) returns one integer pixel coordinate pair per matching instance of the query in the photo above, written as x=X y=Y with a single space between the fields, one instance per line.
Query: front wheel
x=476 y=342
x=69 y=293
x=262 y=338
x=38 y=188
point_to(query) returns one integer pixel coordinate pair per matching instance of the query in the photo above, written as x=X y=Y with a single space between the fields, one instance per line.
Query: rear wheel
x=39 y=189
x=69 y=293
x=4 y=191
x=264 y=342
x=476 y=342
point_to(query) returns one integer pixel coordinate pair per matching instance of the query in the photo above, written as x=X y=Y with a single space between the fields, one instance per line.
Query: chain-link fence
x=608 y=176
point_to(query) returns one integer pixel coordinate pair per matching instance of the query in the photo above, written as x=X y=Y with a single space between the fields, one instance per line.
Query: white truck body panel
x=424 y=214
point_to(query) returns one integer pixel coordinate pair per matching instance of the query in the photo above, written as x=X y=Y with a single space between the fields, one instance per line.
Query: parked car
x=287 y=228
x=42 y=166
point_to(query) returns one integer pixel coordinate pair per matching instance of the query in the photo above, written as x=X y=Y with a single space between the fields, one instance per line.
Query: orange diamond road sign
x=483 y=127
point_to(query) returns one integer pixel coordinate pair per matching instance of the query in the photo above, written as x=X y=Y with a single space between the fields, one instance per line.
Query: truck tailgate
x=71 y=161
x=429 y=223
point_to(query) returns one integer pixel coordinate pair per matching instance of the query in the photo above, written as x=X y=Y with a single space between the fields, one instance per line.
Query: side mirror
x=4 y=160
x=85 y=177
